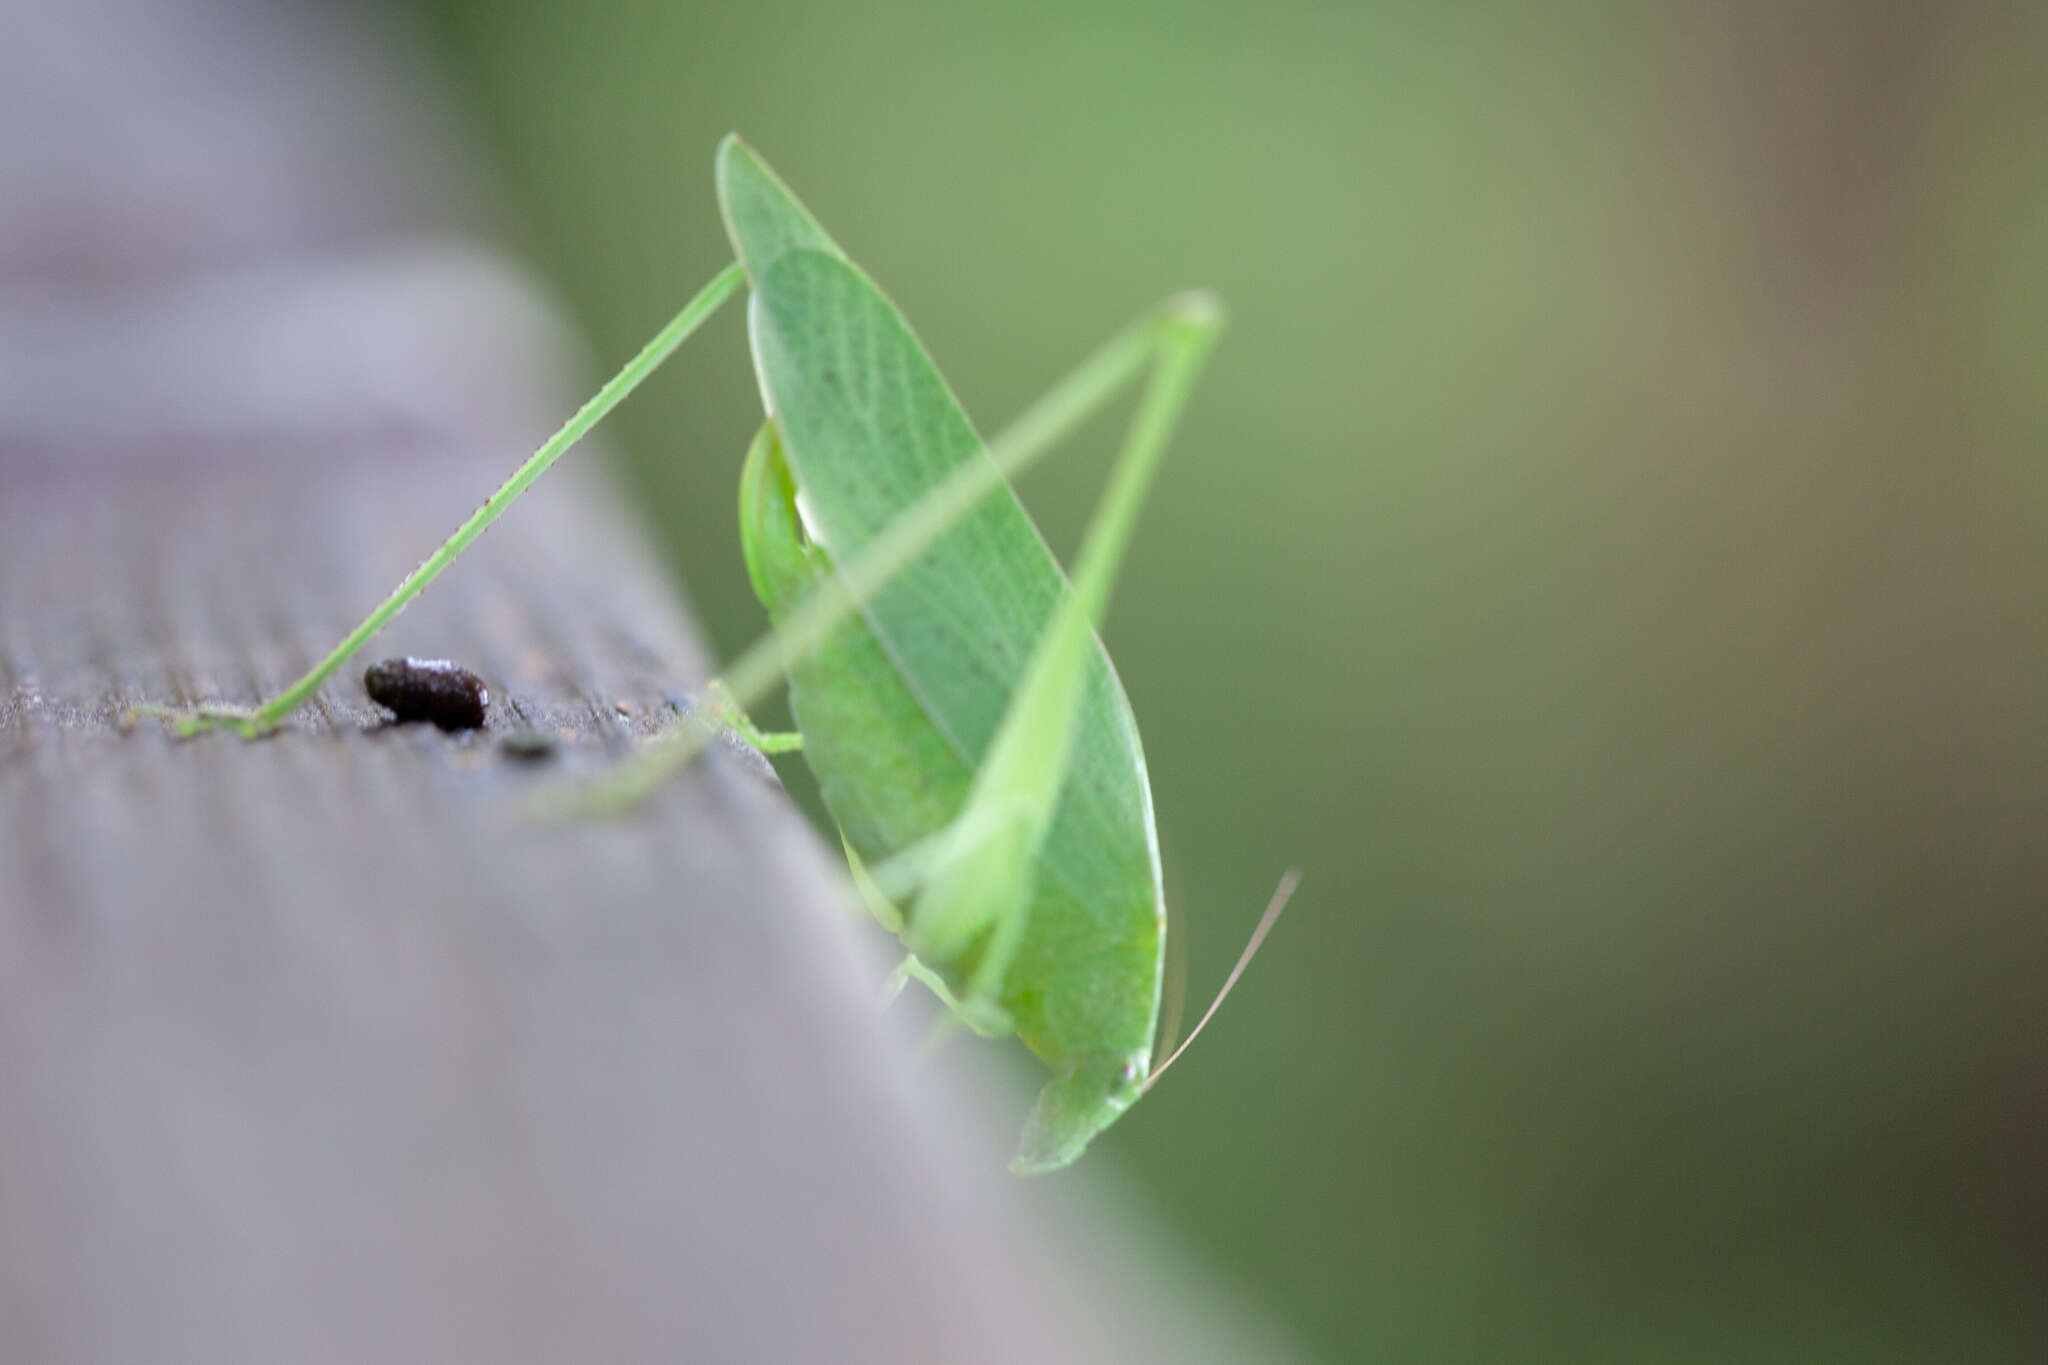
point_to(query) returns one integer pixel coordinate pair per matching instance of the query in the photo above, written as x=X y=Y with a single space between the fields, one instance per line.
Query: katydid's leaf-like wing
x=899 y=707
x=762 y=217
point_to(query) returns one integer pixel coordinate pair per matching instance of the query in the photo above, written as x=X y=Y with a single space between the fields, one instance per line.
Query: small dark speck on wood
x=528 y=746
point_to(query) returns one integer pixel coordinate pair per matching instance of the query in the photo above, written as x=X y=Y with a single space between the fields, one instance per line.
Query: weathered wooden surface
x=315 y=1048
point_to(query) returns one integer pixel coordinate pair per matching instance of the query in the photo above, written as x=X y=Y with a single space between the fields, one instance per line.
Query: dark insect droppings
x=450 y=696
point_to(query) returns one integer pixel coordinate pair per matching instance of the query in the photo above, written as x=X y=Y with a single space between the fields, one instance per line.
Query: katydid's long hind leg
x=1172 y=339
x=985 y=889
x=271 y=713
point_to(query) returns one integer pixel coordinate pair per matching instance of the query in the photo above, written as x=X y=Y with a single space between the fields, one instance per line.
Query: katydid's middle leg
x=1172 y=340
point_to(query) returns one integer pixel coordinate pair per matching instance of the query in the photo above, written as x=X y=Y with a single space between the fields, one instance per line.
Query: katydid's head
x=1073 y=1108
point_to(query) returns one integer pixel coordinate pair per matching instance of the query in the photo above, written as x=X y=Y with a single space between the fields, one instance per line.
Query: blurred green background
x=1606 y=554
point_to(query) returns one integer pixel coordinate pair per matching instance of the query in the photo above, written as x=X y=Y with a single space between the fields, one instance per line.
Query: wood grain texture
x=315 y=1048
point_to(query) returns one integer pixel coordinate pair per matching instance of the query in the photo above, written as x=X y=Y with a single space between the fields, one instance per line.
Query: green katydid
x=968 y=733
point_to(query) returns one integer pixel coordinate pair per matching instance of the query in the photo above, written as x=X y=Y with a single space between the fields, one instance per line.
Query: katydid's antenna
x=1281 y=894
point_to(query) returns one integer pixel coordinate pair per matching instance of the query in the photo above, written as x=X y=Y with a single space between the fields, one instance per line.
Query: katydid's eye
x=436 y=690
x=1130 y=1073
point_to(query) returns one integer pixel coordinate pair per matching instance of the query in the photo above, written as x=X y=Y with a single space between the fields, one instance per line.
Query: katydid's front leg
x=251 y=722
x=891 y=919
